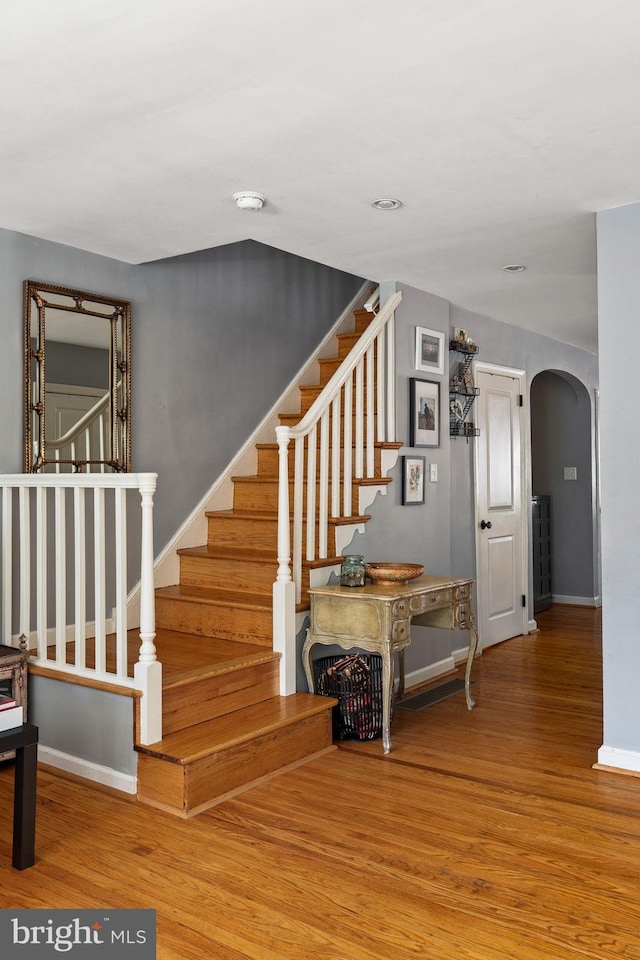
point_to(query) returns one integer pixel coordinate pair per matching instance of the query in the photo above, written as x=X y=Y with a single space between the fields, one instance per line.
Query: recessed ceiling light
x=249 y=200
x=386 y=203
x=514 y=268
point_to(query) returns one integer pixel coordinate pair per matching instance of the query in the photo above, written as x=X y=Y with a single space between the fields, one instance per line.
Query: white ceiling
x=126 y=126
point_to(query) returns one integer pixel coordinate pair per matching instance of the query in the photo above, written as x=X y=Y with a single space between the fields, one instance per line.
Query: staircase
x=225 y=727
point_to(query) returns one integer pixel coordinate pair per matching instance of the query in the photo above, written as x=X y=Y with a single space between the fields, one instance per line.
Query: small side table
x=24 y=740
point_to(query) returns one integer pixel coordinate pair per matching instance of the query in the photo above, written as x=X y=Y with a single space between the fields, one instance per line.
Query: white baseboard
x=576 y=601
x=434 y=670
x=108 y=777
x=619 y=759
x=532 y=626
x=70 y=633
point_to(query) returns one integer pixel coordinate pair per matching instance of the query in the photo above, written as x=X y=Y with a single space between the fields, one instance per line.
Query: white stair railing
x=334 y=443
x=87 y=534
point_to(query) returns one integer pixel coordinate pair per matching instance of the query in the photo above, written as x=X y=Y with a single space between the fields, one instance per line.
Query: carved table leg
x=306 y=661
x=387 y=690
x=473 y=643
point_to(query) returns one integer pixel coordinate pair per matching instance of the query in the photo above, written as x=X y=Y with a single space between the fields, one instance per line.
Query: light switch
x=571 y=473
x=433 y=472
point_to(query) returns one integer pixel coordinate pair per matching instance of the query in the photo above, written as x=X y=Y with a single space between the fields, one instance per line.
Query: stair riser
x=229 y=574
x=363 y=320
x=207 y=620
x=191 y=787
x=263 y=495
x=211 y=697
x=239 y=531
x=268 y=462
x=308 y=395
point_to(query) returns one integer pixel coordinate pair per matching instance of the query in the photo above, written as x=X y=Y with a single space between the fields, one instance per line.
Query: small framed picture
x=429 y=350
x=412 y=480
x=424 y=403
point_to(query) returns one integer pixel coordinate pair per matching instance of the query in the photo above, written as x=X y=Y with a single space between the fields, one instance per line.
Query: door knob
x=485 y=525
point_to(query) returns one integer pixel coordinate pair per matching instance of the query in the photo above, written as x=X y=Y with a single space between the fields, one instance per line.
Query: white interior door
x=500 y=516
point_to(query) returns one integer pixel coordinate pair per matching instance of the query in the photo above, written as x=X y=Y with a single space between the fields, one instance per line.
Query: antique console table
x=377 y=618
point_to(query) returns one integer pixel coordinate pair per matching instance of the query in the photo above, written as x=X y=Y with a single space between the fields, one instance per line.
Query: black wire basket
x=355 y=681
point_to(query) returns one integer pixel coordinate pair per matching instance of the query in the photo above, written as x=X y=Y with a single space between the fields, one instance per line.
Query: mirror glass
x=77 y=381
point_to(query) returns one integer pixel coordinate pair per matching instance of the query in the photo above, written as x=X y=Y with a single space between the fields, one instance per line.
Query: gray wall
x=216 y=337
x=619 y=309
x=561 y=437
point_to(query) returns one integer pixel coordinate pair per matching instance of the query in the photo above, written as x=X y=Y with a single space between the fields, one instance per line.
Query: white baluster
x=323 y=493
x=380 y=385
x=41 y=571
x=359 y=410
x=284 y=534
x=61 y=575
x=391 y=379
x=121 y=581
x=24 y=500
x=370 y=415
x=335 y=457
x=298 y=511
x=99 y=579
x=80 y=598
x=347 y=447
x=311 y=493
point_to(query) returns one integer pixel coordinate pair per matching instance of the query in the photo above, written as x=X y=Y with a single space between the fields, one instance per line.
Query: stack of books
x=10 y=713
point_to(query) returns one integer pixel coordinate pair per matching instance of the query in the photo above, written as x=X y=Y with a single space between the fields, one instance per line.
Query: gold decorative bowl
x=393 y=573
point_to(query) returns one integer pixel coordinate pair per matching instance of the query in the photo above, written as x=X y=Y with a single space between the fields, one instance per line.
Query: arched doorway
x=563 y=469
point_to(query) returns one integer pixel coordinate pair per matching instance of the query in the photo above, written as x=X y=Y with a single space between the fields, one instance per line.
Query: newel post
x=284 y=589
x=147 y=671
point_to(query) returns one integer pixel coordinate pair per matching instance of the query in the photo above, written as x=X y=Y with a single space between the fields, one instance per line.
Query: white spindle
x=121 y=580
x=61 y=575
x=7 y=563
x=99 y=579
x=335 y=457
x=347 y=446
x=370 y=408
x=391 y=380
x=359 y=425
x=323 y=493
x=298 y=510
x=311 y=492
x=80 y=598
x=380 y=385
x=25 y=561
x=284 y=533
x=41 y=571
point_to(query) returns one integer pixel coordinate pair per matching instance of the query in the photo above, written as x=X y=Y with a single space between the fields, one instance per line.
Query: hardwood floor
x=482 y=835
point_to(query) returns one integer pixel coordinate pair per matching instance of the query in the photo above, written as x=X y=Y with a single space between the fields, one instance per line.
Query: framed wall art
x=429 y=350
x=412 y=480
x=424 y=404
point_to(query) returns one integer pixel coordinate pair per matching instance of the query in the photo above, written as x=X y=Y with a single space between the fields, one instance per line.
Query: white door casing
x=501 y=546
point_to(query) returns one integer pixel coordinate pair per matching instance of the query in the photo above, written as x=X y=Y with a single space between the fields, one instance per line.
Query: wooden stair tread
x=220 y=669
x=355 y=481
x=214 y=597
x=193 y=743
x=266 y=516
x=226 y=552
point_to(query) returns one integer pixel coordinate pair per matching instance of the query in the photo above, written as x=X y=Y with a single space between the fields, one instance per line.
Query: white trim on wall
x=125 y=782
x=576 y=601
x=614 y=758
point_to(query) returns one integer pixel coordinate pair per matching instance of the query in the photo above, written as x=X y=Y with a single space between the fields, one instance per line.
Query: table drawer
x=462 y=613
x=463 y=592
x=430 y=601
x=400 y=631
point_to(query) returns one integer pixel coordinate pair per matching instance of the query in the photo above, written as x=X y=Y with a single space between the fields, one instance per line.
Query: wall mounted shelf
x=462 y=391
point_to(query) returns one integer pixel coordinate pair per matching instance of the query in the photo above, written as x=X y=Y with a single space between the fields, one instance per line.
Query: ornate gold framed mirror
x=77 y=392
